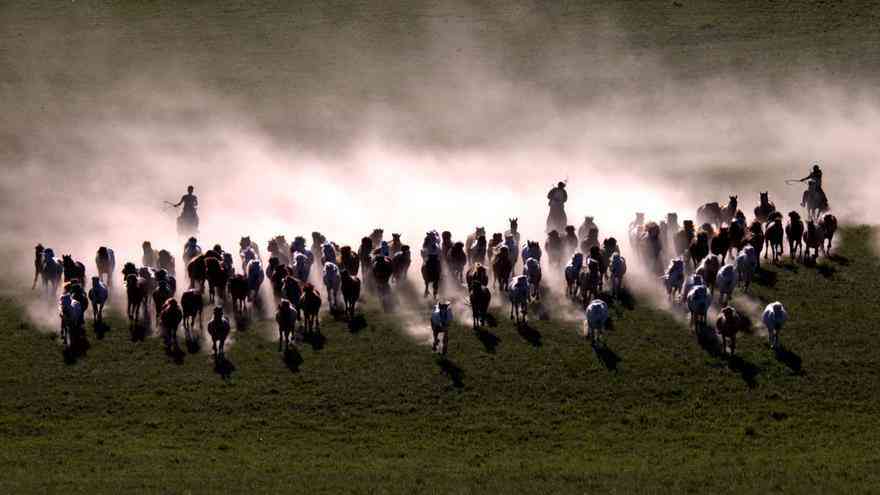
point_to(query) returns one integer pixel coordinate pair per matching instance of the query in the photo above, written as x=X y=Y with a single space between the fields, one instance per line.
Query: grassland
x=539 y=411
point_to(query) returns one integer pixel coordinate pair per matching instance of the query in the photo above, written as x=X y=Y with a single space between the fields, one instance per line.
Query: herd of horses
x=481 y=264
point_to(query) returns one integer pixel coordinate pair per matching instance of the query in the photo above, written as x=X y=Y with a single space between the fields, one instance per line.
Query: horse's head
x=577 y=259
x=672 y=218
x=503 y=251
x=443 y=307
x=404 y=248
x=569 y=230
x=218 y=312
x=514 y=223
x=794 y=216
x=765 y=197
x=593 y=233
x=96 y=281
x=367 y=243
x=640 y=218
x=446 y=236
x=377 y=233
x=688 y=225
x=553 y=235
x=609 y=244
x=480 y=231
x=733 y=202
x=497 y=238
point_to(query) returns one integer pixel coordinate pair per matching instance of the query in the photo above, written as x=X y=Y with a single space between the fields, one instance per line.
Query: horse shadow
x=540 y=310
x=292 y=359
x=223 y=367
x=193 y=345
x=357 y=323
x=242 y=322
x=606 y=356
x=139 y=331
x=826 y=270
x=175 y=353
x=101 y=329
x=452 y=370
x=338 y=313
x=747 y=371
x=709 y=340
x=840 y=260
x=790 y=266
x=789 y=359
x=489 y=340
x=78 y=348
x=491 y=321
x=626 y=299
x=315 y=339
x=766 y=278
x=529 y=333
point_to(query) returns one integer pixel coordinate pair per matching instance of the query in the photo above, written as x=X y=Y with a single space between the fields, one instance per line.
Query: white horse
x=71 y=313
x=690 y=282
x=331 y=282
x=726 y=283
x=746 y=264
x=441 y=317
x=674 y=278
x=618 y=270
x=698 y=301
x=302 y=264
x=774 y=317
x=98 y=296
x=596 y=318
x=532 y=270
x=518 y=292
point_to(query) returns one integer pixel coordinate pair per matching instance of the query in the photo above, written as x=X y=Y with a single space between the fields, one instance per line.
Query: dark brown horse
x=827 y=228
x=765 y=208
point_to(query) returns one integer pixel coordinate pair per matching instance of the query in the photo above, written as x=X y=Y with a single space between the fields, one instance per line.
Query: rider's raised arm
x=179 y=202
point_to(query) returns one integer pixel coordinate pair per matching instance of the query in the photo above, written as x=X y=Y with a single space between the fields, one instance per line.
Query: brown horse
x=502 y=266
x=311 y=304
x=729 y=323
x=765 y=209
x=794 y=231
x=773 y=239
x=813 y=239
x=827 y=228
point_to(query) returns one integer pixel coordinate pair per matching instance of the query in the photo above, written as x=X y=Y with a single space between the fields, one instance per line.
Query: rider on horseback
x=188 y=217
x=815 y=184
x=557 y=197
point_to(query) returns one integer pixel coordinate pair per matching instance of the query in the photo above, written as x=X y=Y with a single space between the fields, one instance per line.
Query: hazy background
x=290 y=117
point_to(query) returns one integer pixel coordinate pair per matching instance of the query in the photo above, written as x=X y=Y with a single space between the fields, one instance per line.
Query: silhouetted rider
x=190 y=202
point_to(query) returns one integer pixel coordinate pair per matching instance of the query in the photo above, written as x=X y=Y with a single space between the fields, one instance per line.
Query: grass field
x=539 y=411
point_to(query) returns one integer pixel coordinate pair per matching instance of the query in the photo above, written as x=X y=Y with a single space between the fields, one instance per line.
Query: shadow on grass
x=766 y=278
x=139 y=331
x=223 y=367
x=789 y=359
x=488 y=339
x=292 y=359
x=101 y=329
x=708 y=339
x=450 y=369
x=840 y=260
x=174 y=352
x=606 y=356
x=529 y=334
x=315 y=339
x=747 y=371
x=194 y=345
x=626 y=299
x=78 y=348
x=357 y=323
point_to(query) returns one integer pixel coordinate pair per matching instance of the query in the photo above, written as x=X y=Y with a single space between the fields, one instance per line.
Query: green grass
x=375 y=411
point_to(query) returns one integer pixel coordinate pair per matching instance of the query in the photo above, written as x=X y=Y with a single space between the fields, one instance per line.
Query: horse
x=98 y=295
x=161 y=294
x=376 y=236
x=351 y=291
x=827 y=228
x=586 y=226
x=73 y=270
x=813 y=239
x=618 y=270
x=291 y=289
x=197 y=271
x=218 y=329
x=136 y=292
x=471 y=241
x=311 y=304
x=669 y=230
x=674 y=278
x=71 y=313
x=512 y=249
x=492 y=249
x=456 y=261
x=591 y=240
x=737 y=231
x=246 y=243
x=532 y=270
x=773 y=239
x=774 y=317
x=38 y=263
x=684 y=238
x=400 y=264
x=794 y=231
x=441 y=317
x=588 y=281
x=710 y=213
x=105 y=262
x=572 y=272
x=708 y=269
x=650 y=246
x=169 y=318
x=431 y=271
x=51 y=271
x=255 y=279
x=278 y=248
x=149 y=257
x=725 y=282
x=445 y=245
x=596 y=254
x=746 y=266
x=518 y=293
x=382 y=270
x=191 y=303
x=302 y=266
x=728 y=324
x=166 y=261
x=756 y=240
x=765 y=208
x=316 y=251
x=276 y=272
x=698 y=301
x=569 y=241
x=217 y=278
x=285 y=316
x=238 y=292
x=190 y=250
x=720 y=244
x=477 y=253
x=513 y=230
x=596 y=319
x=396 y=244
x=815 y=201
x=555 y=249
x=690 y=282
x=502 y=266
x=480 y=297
x=479 y=273
x=331 y=283
x=609 y=247
x=349 y=261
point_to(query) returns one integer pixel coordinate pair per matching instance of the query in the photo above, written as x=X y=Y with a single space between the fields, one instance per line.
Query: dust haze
x=446 y=118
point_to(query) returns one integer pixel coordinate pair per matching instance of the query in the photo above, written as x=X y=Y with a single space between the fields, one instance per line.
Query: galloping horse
x=765 y=209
